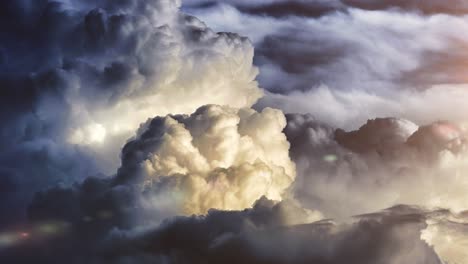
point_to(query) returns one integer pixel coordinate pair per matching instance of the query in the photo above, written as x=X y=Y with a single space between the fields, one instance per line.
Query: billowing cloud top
x=78 y=77
x=218 y=157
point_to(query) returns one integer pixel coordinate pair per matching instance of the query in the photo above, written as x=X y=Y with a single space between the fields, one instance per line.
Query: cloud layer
x=361 y=60
x=208 y=172
x=262 y=235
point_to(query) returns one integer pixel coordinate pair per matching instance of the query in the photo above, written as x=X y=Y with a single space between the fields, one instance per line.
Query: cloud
x=350 y=108
x=316 y=8
x=379 y=238
x=261 y=235
x=218 y=157
x=380 y=66
x=167 y=167
x=387 y=161
x=448 y=237
x=78 y=77
x=275 y=8
x=458 y=7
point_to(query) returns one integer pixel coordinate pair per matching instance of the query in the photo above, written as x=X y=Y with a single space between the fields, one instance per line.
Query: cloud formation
x=380 y=66
x=387 y=161
x=218 y=157
x=262 y=234
x=210 y=180
x=78 y=77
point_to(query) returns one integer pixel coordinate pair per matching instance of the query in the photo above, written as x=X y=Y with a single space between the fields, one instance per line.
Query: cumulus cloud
x=218 y=157
x=387 y=161
x=78 y=77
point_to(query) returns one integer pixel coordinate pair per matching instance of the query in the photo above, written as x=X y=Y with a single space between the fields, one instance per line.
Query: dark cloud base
x=254 y=235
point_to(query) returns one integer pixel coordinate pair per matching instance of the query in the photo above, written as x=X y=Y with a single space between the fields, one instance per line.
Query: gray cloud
x=364 y=63
x=317 y=8
x=258 y=235
x=457 y=7
x=385 y=162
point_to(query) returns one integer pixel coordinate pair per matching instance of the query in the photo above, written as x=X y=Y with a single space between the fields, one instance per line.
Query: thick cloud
x=78 y=77
x=349 y=66
x=387 y=161
x=262 y=235
x=218 y=157
x=388 y=237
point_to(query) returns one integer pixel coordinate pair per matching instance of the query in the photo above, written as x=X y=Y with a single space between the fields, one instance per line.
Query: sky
x=234 y=131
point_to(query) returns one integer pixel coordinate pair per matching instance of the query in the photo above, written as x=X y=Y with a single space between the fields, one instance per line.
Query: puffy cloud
x=385 y=162
x=78 y=77
x=218 y=157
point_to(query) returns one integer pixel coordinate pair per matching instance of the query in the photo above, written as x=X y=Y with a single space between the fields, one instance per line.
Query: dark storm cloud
x=248 y=237
x=257 y=235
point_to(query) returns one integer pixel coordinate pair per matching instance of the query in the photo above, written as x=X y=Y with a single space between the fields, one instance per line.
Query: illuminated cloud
x=218 y=157
x=78 y=77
